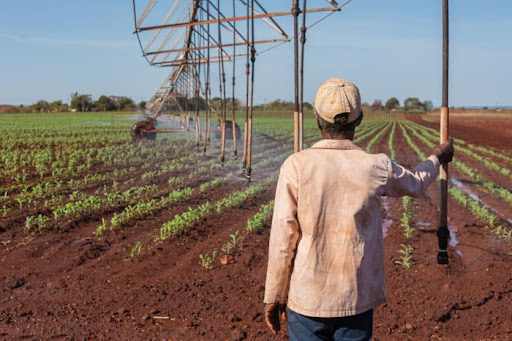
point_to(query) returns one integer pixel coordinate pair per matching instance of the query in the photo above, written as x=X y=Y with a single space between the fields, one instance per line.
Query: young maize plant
x=36 y=223
x=377 y=137
x=390 y=142
x=207 y=261
x=102 y=228
x=406 y=258
x=257 y=222
x=135 y=250
x=407 y=217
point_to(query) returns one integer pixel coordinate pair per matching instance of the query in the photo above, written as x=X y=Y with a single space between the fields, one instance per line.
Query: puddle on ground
x=453 y=239
x=422 y=225
x=385 y=204
x=473 y=196
x=465 y=189
x=386 y=224
x=453 y=235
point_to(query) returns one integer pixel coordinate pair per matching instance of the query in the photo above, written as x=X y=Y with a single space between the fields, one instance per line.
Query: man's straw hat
x=338 y=96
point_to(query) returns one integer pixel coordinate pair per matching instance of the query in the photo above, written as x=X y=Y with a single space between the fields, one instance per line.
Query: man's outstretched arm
x=402 y=181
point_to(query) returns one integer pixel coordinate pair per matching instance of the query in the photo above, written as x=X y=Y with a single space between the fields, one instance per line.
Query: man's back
x=329 y=202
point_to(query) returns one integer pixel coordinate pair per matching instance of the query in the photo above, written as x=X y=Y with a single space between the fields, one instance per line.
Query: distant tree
x=55 y=106
x=75 y=101
x=105 y=103
x=124 y=103
x=229 y=103
x=58 y=106
x=279 y=104
x=308 y=106
x=41 y=106
x=427 y=105
x=377 y=105
x=216 y=102
x=412 y=103
x=142 y=105
x=63 y=108
x=80 y=102
x=202 y=103
x=392 y=103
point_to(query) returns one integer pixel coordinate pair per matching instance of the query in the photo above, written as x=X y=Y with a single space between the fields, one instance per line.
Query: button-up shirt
x=326 y=243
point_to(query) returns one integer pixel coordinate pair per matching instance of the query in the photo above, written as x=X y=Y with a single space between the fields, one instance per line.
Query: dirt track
x=55 y=288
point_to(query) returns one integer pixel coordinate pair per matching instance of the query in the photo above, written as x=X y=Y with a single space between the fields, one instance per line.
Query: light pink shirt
x=326 y=253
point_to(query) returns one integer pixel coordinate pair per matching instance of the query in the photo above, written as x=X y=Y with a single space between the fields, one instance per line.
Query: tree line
x=85 y=103
x=78 y=103
x=410 y=104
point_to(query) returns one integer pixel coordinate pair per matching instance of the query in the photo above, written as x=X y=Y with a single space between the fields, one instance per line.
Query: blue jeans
x=348 y=328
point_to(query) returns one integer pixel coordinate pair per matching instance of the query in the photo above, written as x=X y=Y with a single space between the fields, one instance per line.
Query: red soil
x=74 y=286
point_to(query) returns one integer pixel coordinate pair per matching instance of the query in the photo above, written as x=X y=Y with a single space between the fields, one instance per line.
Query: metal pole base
x=442 y=258
x=442 y=236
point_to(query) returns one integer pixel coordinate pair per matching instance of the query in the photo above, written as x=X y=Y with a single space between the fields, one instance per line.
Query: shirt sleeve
x=284 y=234
x=402 y=181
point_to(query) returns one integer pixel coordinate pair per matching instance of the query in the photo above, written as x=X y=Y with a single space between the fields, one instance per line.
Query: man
x=326 y=256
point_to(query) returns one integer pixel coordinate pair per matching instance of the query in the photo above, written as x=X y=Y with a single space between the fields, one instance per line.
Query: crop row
x=182 y=222
x=478 y=148
x=470 y=172
x=465 y=150
x=474 y=206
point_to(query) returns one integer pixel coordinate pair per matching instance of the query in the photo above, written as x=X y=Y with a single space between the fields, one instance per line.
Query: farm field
x=104 y=239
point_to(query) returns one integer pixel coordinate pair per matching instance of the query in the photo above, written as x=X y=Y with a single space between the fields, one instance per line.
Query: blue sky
x=388 y=48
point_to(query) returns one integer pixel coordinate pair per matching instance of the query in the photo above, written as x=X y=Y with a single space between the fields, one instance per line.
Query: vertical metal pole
x=443 y=232
x=247 y=73
x=207 y=86
x=249 y=125
x=209 y=113
x=303 y=30
x=196 y=85
x=235 y=152
x=295 y=12
x=222 y=91
x=187 y=106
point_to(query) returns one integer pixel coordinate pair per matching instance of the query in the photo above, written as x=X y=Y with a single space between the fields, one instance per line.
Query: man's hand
x=274 y=312
x=444 y=152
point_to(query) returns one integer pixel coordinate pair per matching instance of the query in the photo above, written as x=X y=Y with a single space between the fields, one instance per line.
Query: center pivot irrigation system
x=203 y=39
x=193 y=36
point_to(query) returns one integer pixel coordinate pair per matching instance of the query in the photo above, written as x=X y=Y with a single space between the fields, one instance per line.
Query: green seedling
x=406 y=258
x=135 y=250
x=207 y=260
x=102 y=228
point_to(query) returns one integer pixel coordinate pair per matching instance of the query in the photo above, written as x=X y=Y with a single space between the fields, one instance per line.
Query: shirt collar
x=335 y=144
